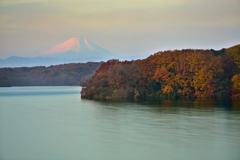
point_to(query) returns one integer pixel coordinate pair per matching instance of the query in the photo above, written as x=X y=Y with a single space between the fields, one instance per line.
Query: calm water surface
x=53 y=123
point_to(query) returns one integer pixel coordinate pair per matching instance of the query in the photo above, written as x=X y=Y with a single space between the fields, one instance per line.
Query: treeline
x=169 y=75
x=66 y=74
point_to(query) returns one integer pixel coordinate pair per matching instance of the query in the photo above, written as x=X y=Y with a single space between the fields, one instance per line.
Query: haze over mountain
x=74 y=50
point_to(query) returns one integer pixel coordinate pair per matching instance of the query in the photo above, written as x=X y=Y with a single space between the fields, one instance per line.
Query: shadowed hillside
x=67 y=74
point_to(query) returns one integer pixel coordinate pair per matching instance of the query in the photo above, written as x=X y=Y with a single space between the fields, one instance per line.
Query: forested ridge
x=170 y=74
x=65 y=74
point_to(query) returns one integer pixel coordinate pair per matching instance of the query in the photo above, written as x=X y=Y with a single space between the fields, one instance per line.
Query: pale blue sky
x=124 y=27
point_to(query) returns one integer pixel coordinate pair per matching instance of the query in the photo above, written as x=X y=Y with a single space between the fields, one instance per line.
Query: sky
x=124 y=27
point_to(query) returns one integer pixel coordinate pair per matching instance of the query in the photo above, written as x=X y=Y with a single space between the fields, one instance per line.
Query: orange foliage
x=163 y=74
x=236 y=82
x=168 y=89
x=211 y=88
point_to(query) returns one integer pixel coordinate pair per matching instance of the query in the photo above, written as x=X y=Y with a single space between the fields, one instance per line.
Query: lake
x=53 y=123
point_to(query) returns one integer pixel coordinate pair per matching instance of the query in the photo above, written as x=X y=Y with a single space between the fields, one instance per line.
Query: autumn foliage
x=169 y=74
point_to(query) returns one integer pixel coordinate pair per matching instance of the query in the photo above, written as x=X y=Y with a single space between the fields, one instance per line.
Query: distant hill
x=58 y=75
x=74 y=50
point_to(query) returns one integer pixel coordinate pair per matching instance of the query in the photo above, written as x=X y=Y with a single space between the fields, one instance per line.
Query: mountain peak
x=73 y=44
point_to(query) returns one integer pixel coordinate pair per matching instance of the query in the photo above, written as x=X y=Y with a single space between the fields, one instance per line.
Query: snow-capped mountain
x=77 y=48
x=74 y=50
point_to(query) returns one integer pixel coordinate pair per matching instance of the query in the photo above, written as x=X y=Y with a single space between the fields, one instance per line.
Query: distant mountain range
x=74 y=50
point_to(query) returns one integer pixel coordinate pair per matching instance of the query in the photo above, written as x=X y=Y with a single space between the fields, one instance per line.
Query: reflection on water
x=54 y=123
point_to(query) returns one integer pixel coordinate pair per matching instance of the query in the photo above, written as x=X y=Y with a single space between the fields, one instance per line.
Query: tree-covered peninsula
x=170 y=74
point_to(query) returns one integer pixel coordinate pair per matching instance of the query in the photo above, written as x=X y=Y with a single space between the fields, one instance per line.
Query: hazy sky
x=124 y=27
